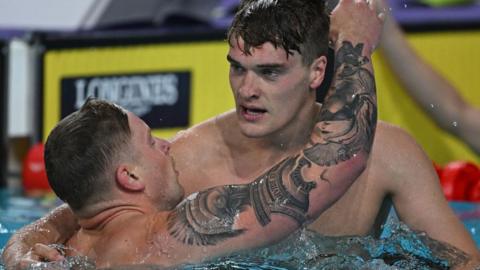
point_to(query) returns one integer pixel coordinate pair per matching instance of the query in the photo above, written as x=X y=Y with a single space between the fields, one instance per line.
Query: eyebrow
x=268 y=65
x=232 y=61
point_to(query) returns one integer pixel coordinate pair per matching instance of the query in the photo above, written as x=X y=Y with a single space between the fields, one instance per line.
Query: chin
x=254 y=134
x=253 y=131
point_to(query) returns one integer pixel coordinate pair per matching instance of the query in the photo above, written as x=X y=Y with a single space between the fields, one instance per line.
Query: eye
x=269 y=73
x=236 y=69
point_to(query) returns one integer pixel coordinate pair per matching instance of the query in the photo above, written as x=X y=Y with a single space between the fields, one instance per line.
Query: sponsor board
x=161 y=99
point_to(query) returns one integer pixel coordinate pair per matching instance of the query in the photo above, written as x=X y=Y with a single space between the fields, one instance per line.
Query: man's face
x=271 y=91
x=154 y=164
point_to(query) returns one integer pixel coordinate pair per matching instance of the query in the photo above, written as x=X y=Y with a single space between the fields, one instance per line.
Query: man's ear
x=127 y=179
x=317 y=71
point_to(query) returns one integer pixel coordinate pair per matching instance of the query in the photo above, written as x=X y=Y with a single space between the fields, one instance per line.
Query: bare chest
x=356 y=212
x=222 y=170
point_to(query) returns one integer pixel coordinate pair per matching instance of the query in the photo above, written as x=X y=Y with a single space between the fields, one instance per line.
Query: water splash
x=70 y=263
x=3 y=230
x=397 y=248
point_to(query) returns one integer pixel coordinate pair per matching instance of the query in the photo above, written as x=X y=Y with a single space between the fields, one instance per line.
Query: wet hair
x=294 y=25
x=82 y=150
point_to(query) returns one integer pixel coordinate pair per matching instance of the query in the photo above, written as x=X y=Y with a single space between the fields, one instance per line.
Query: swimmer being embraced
x=105 y=164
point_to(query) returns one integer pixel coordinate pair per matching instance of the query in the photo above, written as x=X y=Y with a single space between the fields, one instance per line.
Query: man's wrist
x=337 y=43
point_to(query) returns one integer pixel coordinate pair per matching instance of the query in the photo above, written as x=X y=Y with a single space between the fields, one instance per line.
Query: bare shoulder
x=398 y=158
x=199 y=153
x=408 y=175
x=394 y=138
x=200 y=137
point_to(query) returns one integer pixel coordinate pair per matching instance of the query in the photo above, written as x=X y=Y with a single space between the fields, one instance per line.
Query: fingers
x=28 y=259
x=25 y=263
x=382 y=8
x=356 y=21
x=378 y=6
x=48 y=253
x=40 y=253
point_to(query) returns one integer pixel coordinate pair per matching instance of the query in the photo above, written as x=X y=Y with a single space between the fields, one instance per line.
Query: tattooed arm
x=299 y=188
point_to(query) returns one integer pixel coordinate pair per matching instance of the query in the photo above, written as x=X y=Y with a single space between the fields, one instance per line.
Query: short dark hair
x=294 y=25
x=81 y=150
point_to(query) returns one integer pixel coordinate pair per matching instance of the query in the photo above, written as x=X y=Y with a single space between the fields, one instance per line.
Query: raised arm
x=428 y=87
x=299 y=188
x=56 y=227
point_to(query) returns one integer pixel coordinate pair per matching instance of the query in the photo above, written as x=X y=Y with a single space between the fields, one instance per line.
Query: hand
x=40 y=253
x=356 y=21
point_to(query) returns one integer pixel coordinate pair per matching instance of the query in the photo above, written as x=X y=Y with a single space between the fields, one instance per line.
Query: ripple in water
x=398 y=248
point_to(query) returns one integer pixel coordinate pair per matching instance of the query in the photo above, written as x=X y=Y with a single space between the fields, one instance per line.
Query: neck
x=253 y=155
x=297 y=133
x=289 y=139
x=101 y=215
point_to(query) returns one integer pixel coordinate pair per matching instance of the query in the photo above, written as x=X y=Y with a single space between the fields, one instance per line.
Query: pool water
x=397 y=248
x=16 y=211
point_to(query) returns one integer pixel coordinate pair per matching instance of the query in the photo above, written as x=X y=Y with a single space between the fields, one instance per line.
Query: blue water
x=16 y=211
x=397 y=248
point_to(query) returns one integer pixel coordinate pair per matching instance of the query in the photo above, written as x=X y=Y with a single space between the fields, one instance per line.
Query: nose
x=248 y=88
x=164 y=146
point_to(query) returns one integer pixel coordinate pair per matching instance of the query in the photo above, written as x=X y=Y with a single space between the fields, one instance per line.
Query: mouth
x=251 y=113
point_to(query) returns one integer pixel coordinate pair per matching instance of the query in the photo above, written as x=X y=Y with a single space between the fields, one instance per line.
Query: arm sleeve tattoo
x=348 y=118
x=345 y=126
x=208 y=217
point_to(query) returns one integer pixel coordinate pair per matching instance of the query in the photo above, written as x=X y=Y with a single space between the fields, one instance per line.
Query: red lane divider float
x=460 y=180
x=34 y=176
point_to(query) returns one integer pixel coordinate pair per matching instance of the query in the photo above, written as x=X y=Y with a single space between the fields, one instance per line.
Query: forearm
x=436 y=96
x=428 y=88
x=56 y=227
